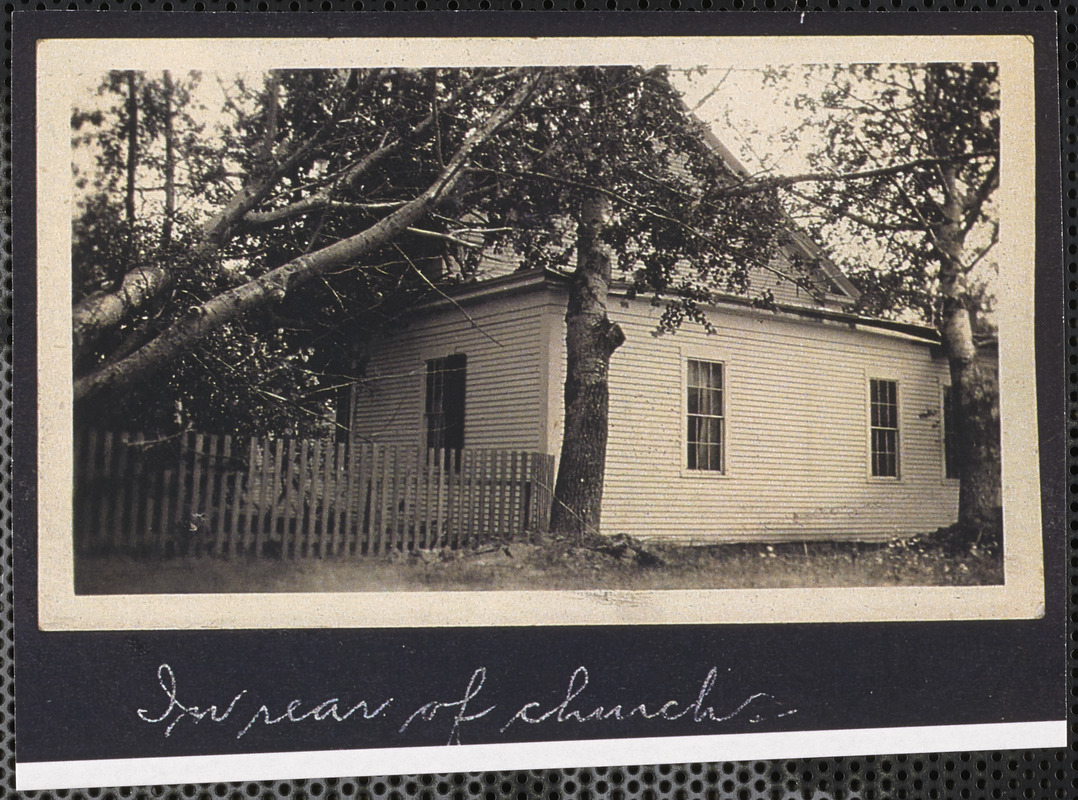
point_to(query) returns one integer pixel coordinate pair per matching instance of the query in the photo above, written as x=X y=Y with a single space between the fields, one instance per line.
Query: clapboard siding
x=504 y=406
x=797 y=455
x=785 y=291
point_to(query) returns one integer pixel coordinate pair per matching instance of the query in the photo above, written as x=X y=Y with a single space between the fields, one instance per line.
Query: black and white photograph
x=409 y=400
x=585 y=328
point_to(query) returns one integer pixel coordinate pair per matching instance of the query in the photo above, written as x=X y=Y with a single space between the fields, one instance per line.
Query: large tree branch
x=273 y=286
x=755 y=185
x=102 y=310
x=98 y=312
x=353 y=174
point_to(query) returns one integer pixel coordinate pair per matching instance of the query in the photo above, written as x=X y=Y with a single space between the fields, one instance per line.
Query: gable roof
x=832 y=287
x=827 y=271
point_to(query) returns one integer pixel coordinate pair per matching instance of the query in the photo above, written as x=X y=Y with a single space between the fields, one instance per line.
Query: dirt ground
x=625 y=564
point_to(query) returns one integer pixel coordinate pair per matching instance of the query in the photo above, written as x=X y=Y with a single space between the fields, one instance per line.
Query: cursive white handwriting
x=176 y=711
x=562 y=712
x=427 y=711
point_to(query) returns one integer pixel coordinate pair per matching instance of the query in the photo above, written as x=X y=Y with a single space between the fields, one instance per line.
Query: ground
x=620 y=563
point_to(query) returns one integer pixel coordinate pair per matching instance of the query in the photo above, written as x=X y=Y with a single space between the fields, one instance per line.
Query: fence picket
x=385 y=501
x=310 y=497
x=400 y=530
x=258 y=496
x=434 y=498
x=491 y=528
x=249 y=502
x=235 y=502
x=472 y=512
x=447 y=473
x=336 y=500
x=362 y=500
x=190 y=522
x=344 y=519
x=511 y=497
x=415 y=519
x=139 y=483
x=164 y=525
x=509 y=465
x=144 y=534
x=328 y=485
x=377 y=486
x=220 y=499
x=400 y=476
x=288 y=525
x=117 y=531
x=471 y=499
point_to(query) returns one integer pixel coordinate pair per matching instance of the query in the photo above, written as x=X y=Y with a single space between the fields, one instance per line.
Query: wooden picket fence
x=202 y=494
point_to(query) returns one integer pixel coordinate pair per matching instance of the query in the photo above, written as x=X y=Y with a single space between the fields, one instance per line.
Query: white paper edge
x=39 y=775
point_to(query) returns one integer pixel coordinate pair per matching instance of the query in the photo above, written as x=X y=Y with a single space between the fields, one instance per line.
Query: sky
x=745 y=116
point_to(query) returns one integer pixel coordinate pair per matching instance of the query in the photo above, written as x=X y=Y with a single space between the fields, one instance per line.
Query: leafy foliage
x=315 y=156
x=869 y=115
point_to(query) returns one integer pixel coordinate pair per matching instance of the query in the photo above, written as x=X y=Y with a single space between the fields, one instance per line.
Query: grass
x=507 y=566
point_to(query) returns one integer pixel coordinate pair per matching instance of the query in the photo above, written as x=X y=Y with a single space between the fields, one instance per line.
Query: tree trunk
x=976 y=408
x=132 y=147
x=974 y=393
x=130 y=254
x=590 y=340
x=170 y=166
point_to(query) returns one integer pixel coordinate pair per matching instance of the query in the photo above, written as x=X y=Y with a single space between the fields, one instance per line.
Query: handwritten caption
x=456 y=713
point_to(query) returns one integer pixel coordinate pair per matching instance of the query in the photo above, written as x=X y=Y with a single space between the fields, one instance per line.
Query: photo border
x=1021 y=595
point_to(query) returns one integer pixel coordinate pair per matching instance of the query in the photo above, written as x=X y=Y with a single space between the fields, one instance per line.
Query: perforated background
x=1010 y=774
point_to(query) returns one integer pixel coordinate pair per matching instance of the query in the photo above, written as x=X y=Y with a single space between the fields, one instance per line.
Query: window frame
x=683 y=417
x=869 y=428
x=426 y=360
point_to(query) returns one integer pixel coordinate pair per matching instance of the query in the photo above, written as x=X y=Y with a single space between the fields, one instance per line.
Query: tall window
x=883 y=399
x=950 y=435
x=706 y=416
x=445 y=402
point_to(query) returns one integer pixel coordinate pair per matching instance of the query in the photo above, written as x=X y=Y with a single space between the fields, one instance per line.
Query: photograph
x=393 y=400
x=638 y=328
x=334 y=329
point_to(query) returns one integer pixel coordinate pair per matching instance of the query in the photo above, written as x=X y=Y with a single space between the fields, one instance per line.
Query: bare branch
x=784 y=181
x=871 y=224
x=975 y=200
x=446 y=237
x=984 y=250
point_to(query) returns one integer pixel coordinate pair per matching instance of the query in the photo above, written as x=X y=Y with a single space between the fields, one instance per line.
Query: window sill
x=704 y=474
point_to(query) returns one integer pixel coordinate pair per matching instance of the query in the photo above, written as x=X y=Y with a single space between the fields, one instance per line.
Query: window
x=445 y=402
x=950 y=435
x=883 y=400
x=705 y=416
